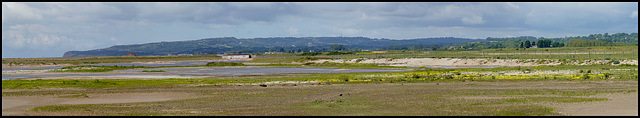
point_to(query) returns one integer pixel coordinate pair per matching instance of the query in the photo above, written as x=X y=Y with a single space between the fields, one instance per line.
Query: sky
x=32 y=30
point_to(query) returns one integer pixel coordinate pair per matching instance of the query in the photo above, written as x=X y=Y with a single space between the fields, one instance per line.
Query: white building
x=236 y=56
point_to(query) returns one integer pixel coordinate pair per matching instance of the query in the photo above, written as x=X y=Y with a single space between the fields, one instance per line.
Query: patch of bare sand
x=424 y=62
x=16 y=105
x=618 y=104
x=459 y=62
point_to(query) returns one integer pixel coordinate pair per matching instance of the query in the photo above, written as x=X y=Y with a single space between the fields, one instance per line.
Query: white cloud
x=40 y=37
x=634 y=14
x=348 y=31
x=472 y=20
x=252 y=5
x=292 y=31
x=37 y=28
x=513 y=5
x=20 y=11
x=29 y=27
x=221 y=26
x=462 y=32
x=367 y=17
x=44 y=42
x=114 y=40
x=19 y=39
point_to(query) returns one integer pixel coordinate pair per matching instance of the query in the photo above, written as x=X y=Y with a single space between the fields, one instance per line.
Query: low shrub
x=616 y=62
x=338 y=53
x=310 y=54
x=304 y=59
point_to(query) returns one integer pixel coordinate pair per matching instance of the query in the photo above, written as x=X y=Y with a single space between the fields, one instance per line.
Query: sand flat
x=618 y=104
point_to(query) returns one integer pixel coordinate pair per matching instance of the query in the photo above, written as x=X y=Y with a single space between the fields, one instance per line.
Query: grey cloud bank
x=50 y=29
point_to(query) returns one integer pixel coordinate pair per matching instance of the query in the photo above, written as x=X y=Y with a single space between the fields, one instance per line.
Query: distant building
x=131 y=54
x=236 y=56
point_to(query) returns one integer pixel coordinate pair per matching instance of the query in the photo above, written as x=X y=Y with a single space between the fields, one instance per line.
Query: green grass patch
x=52 y=108
x=75 y=96
x=522 y=110
x=338 y=53
x=272 y=60
x=224 y=64
x=310 y=54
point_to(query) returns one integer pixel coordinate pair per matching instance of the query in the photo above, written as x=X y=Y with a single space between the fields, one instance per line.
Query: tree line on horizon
x=541 y=42
x=231 y=45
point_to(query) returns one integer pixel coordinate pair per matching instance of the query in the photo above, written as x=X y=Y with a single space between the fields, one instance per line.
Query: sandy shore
x=458 y=62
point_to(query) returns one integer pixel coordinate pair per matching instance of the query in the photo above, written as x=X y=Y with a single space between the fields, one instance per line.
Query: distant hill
x=253 y=45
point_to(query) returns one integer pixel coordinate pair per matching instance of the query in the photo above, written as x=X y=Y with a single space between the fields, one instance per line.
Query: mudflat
x=618 y=104
x=16 y=105
x=363 y=99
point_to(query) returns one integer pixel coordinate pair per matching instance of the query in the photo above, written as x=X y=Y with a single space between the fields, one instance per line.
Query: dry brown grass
x=358 y=99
